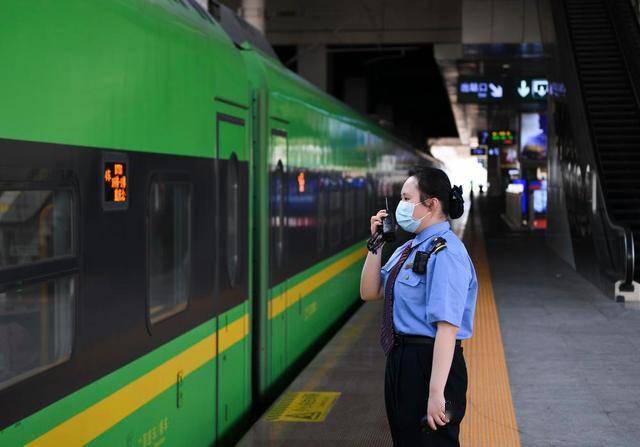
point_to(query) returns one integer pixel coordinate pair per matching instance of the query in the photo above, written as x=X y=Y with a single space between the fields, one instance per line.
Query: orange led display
x=115 y=183
x=301 y=182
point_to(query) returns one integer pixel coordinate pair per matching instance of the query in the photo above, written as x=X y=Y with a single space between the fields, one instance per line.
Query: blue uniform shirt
x=446 y=292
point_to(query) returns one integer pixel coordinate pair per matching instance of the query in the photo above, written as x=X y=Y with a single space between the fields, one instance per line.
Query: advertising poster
x=533 y=136
x=508 y=157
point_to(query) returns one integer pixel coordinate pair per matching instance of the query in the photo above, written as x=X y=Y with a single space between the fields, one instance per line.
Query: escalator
x=611 y=107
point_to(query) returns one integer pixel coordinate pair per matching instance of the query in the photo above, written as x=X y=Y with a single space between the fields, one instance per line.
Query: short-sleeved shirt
x=446 y=292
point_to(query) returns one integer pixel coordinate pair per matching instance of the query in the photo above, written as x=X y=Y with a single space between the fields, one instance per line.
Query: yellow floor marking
x=345 y=339
x=103 y=415
x=303 y=406
x=490 y=419
x=288 y=298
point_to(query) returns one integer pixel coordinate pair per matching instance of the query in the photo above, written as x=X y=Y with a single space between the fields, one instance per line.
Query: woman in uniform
x=429 y=288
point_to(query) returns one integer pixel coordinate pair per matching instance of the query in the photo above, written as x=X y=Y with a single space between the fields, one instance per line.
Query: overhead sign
x=482 y=89
x=533 y=89
x=496 y=137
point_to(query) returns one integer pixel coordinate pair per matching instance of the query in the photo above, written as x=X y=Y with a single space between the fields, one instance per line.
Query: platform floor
x=573 y=354
x=552 y=362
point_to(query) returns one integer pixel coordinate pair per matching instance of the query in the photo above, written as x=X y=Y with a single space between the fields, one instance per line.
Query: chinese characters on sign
x=480 y=89
x=115 y=183
x=155 y=435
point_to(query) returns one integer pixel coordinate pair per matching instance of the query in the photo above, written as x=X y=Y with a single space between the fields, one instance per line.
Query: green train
x=181 y=221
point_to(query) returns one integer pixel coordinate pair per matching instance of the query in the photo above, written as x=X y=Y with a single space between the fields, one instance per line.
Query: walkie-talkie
x=388 y=225
x=385 y=233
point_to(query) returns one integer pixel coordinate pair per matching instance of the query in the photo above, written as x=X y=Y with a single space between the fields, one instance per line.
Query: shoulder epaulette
x=438 y=243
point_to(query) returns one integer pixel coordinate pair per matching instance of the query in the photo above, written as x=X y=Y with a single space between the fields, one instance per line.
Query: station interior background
x=464 y=81
x=208 y=308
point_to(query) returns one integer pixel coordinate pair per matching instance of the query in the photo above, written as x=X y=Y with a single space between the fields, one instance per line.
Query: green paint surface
x=58 y=412
x=137 y=75
x=153 y=76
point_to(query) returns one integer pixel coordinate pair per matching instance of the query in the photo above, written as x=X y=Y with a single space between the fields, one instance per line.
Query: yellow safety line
x=291 y=296
x=490 y=419
x=103 y=415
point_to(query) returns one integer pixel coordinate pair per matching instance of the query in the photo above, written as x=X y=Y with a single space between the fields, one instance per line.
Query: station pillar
x=253 y=12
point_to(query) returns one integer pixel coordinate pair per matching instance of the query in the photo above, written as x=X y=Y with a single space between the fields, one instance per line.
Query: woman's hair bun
x=456 y=202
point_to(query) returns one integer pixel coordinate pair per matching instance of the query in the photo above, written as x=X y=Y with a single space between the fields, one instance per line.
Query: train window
x=36 y=327
x=321 y=223
x=233 y=218
x=371 y=196
x=169 y=247
x=38 y=282
x=35 y=225
x=361 y=210
x=349 y=209
x=279 y=191
x=335 y=215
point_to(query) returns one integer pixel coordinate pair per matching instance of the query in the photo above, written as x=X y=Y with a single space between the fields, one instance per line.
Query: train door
x=277 y=289
x=233 y=378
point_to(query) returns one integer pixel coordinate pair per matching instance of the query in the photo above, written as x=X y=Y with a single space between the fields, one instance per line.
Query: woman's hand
x=435 y=410
x=377 y=220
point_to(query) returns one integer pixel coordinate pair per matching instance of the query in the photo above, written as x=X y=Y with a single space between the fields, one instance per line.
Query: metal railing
x=621 y=233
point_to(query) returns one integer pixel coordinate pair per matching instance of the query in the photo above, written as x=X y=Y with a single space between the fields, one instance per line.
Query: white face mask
x=404 y=216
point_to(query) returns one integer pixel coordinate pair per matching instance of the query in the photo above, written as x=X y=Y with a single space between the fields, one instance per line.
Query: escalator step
x=611 y=107
x=606 y=85
x=618 y=153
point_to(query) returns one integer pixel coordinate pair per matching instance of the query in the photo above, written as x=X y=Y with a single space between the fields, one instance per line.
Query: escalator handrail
x=632 y=70
x=627 y=234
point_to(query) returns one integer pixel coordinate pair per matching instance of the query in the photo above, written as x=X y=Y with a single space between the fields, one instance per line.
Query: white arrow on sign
x=496 y=90
x=540 y=87
x=524 y=89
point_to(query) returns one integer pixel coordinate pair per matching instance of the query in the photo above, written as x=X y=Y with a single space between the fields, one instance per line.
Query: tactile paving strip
x=490 y=419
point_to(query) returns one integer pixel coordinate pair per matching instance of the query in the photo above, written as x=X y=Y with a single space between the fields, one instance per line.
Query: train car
x=181 y=221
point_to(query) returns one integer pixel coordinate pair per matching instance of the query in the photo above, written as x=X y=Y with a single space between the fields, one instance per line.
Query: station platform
x=552 y=361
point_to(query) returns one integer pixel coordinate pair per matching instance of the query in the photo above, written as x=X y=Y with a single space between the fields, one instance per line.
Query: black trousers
x=406 y=391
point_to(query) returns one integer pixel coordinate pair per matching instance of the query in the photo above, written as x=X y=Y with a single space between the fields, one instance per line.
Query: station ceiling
x=410 y=54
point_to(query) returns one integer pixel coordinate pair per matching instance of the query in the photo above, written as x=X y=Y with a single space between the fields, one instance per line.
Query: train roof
x=241 y=31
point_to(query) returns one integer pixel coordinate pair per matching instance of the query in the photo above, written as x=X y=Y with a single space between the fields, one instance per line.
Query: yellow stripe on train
x=288 y=298
x=103 y=415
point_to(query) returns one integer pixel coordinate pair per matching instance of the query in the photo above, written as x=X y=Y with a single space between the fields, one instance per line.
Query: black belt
x=418 y=340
